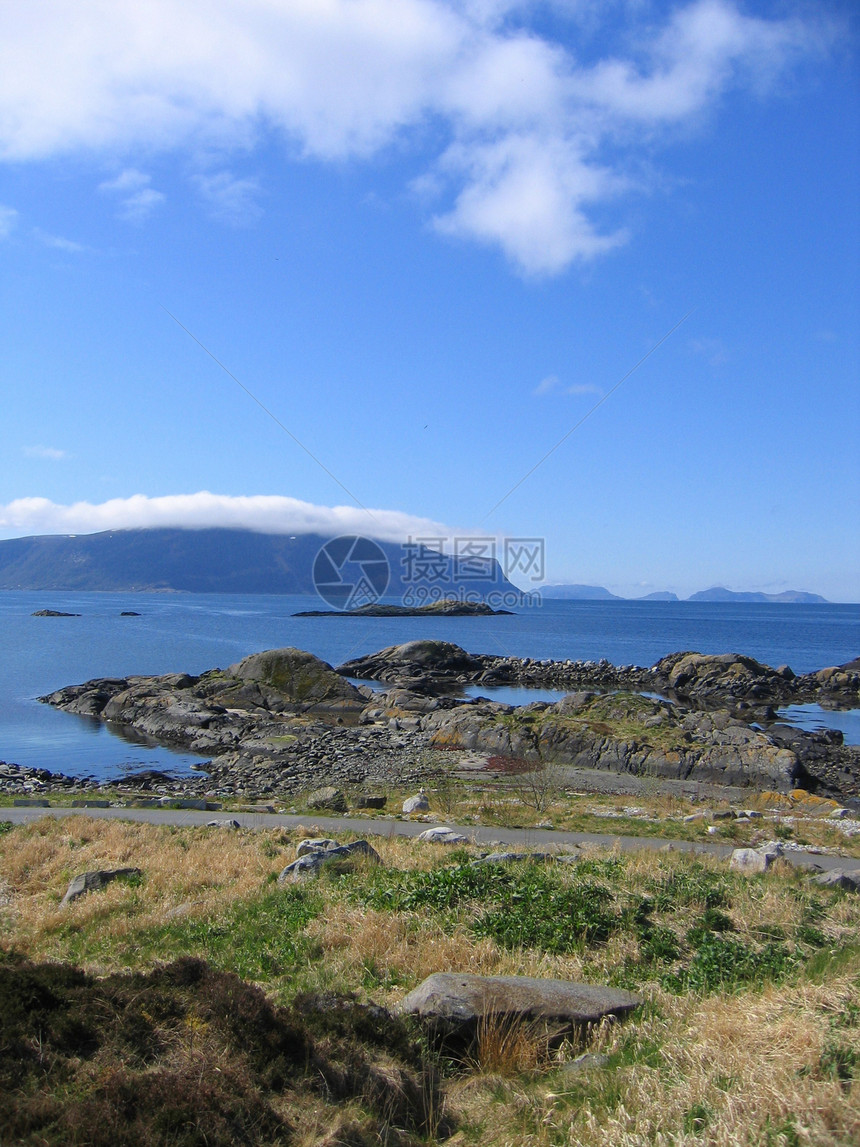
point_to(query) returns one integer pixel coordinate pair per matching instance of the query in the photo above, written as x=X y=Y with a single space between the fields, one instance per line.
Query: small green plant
x=696 y=1120
x=720 y=963
x=782 y=1134
x=529 y=906
x=658 y=944
x=839 y=1062
x=693 y=885
x=257 y=938
x=550 y=918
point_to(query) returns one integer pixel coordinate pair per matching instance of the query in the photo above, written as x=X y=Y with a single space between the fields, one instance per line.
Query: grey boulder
x=310 y=863
x=454 y=1003
x=93 y=881
x=517 y=858
x=840 y=878
x=303 y=680
x=328 y=798
x=316 y=844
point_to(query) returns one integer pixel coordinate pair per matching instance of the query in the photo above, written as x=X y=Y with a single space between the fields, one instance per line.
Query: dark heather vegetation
x=188 y=1055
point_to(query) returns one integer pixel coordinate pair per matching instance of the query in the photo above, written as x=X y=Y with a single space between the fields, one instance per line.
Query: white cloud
x=8 y=219
x=523 y=117
x=137 y=198
x=263 y=513
x=47 y=452
x=128 y=180
x=706 y=46
x=526 y=195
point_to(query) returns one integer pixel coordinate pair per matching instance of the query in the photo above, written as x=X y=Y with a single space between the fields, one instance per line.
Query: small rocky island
x=448 y=607
x=283 y=721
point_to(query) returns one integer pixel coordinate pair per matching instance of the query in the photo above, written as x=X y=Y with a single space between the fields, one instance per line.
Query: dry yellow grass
x=191 y=870
x=749 y=1068
x=726 y=1072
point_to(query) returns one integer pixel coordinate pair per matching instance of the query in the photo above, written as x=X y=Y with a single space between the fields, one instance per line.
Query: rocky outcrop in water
x=282 y=720
x=279 y=721
x=445 y=608
x=706 y=679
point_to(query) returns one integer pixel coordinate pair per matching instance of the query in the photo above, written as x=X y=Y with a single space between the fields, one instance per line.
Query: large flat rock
x=456 y=1001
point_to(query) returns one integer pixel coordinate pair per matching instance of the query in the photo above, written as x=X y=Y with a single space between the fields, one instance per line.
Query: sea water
x=194 y=632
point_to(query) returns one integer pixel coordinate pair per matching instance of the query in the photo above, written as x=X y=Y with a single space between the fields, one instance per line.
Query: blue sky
x=429 y=237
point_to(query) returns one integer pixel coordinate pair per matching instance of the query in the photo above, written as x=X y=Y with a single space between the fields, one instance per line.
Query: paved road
x=366 y=826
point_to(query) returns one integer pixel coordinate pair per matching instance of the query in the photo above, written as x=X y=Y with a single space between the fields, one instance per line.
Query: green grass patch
x=693 y=885
x=524 y=906
x=258 y=938
x=723 y=964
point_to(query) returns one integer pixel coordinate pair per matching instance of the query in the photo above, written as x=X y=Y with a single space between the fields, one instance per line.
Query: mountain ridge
x=220 y=560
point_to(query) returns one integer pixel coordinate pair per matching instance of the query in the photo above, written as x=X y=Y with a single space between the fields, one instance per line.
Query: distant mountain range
x=717 y=593
x=225 y=561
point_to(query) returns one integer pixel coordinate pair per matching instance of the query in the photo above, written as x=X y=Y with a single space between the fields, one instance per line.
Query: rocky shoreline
x=283 y=722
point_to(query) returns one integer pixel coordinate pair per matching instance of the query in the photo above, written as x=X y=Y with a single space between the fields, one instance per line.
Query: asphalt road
x=538 y=839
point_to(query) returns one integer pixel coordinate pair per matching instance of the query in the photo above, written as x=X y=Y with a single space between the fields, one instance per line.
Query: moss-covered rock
x=303 y=679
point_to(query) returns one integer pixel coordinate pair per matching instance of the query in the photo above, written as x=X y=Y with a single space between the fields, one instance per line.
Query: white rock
x=441 y=834
x=316 y=844
x=418 y=803
x=754 y=860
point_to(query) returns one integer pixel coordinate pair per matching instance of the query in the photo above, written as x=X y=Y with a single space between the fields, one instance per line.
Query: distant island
x=227 y=561
x=575 y=592
x=446 y=608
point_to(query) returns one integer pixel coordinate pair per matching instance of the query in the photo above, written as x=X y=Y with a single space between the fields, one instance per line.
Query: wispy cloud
x=552 y=384
x=137 y=198
x=548 y=385
x=264 y=513
x=230 y=199
x=50 y=453
x=59 y=243
x=8 y=219
x=536 y=130
x=714 y=351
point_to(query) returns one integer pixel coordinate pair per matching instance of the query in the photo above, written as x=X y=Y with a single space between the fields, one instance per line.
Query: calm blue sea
x=193 y=632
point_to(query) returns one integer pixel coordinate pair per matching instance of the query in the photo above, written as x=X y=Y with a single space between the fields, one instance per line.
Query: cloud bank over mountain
x=263 y=513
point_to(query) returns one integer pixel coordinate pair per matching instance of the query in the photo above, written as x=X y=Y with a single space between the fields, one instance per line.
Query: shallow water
x=514 y=694
x=814 y=717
